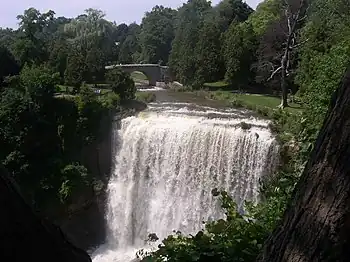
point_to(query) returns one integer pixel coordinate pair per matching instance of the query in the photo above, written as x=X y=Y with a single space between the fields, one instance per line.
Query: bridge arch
x=154 y=72
x=140 y=77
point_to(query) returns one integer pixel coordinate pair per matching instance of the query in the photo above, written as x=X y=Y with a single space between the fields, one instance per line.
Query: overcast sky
x=126 y=11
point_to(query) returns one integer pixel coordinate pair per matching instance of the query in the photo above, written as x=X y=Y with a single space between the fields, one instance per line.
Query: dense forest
x=50 y=66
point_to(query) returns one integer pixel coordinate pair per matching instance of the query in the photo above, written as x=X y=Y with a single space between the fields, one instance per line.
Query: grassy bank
x=255 y=102
x=218 y=84
x=251 y=101
x=284 y=122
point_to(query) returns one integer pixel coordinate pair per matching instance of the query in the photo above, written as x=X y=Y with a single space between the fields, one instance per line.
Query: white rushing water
x=168 y=160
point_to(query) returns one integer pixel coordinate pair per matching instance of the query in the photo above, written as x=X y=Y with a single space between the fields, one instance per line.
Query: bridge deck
x=134 y=65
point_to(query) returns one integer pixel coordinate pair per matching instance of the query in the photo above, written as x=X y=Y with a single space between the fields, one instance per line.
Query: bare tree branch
x=294 y=13
x=274 y=72
x=299 y=44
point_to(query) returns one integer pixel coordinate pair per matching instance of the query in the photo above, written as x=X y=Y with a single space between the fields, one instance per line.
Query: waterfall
x=167 y=162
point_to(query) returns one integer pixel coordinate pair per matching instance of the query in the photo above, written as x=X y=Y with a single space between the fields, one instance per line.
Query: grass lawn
x=63 y=88
x=136 y=75
x=266 y=101
x=250 y=101
x=218 y=84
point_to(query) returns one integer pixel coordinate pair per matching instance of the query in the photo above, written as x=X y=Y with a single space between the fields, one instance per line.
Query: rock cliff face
x=83 y=221
x=25 y=236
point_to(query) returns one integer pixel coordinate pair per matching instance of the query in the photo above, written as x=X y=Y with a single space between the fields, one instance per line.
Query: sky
x=121 y=11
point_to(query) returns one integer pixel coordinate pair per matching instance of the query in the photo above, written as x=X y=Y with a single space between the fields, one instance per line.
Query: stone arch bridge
x=154 y=72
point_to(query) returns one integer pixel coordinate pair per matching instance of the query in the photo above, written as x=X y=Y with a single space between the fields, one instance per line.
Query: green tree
x=121 y=83
x=95 y=61
x=324 y=56
x=31 y=45
x=94 y=37
x=239 y=51
x=190 y=19
x=157 y=33
x=208 y=61
x=229 y=11
x=74 y=176
x=39 y=83
x=130 y=49
x=7 y=38
x=8 y=65
x=279 y=46
x=28 y=149
x=267 y=12
x=88 y=24
x=76 y=67
x=58 y=56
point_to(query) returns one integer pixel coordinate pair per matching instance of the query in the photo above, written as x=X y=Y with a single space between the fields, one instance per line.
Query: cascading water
x=169 y=159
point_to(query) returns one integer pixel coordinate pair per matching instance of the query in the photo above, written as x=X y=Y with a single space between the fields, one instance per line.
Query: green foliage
x=130 y=48
x=8 y=65
x=30 y=46
x=237 y=237
x=7 y=37
x=41 y=135
x=90 y=112
x=229 y=11
x=121 y=83
x=324 y=58
x=182 y=60
x=110 y=100
x=208 y=60
x=265 y=105
x=26 y=112
x=138 y=76
x=196 y=55
x=58 y=56
x=75 y=69
x=266 y=13
x=38 y=82
x=95 y=63
x=74 y=176
x=239 y=52
x=156 y=36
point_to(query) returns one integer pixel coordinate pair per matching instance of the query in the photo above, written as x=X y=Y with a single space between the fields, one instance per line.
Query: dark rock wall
x=25 y=236
x=84 y=220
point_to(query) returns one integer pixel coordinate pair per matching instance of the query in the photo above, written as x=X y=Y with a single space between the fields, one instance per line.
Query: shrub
x=237 y=237
x=73 y=176
x=110 y=100
x=121 y=83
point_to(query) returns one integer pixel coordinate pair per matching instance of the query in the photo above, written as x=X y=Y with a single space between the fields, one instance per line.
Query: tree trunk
x=316 y=224
x=24 y=236
x=284 y=102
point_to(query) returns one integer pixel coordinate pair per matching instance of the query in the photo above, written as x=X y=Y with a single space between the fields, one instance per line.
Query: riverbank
x=266 y=106
x=255 y=102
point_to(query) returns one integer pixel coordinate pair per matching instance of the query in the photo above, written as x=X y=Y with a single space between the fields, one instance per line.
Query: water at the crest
x=168 y=160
